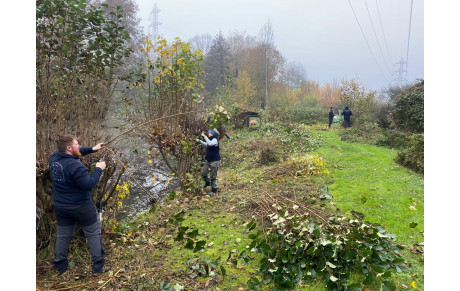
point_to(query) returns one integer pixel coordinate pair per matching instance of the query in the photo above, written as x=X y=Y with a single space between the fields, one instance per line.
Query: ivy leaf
x=254 y=284
x=331 y=265
x=222 y=269
x=193 y=233
x=179 y=217
x=386 y=275
x=377 y=269
x=333 y=279
x=199 y=245
x=189 y=244
x=413 y=224
x=263 y=265
x=254 y=235
x=251 y=225
x=180 y=236
x=369 y=278
x=387 y=286
x=235 y=263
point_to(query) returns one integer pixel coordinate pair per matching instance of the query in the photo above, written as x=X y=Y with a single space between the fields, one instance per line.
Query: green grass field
x=367 y=180
x=364 y=178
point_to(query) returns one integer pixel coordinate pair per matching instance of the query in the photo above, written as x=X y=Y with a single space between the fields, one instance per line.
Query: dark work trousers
x=347 y=122
x=87 y=217
x=330 y=122
x=210 y=167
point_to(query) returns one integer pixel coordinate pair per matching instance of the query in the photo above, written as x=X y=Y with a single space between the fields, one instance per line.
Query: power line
x=383 y=31
x=408 y=38
x=373 y=56
x=375 y=33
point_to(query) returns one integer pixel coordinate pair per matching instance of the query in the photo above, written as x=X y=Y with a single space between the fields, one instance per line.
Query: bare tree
x=202 y=42
x=267 y=40
x=294 y=75
x=239 y=43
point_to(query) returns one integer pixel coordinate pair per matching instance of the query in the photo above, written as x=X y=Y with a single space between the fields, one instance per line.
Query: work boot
x=207 y=182
x=213 y=191
x=104 y=270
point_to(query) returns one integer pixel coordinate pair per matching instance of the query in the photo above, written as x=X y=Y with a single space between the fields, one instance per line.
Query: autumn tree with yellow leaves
x=169 y=87
x=245 y=91
x=359 y=100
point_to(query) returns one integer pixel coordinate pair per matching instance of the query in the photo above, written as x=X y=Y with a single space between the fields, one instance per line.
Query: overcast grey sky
x=323 y=35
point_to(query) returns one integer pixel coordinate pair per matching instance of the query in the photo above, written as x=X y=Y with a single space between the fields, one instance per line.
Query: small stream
x=134 y=149
x=155 y=181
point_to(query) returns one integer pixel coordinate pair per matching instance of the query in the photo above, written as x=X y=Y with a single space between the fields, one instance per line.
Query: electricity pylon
x=402 y=73
x=153 y=27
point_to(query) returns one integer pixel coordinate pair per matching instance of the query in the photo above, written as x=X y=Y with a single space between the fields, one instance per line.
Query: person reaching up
x=212 y=163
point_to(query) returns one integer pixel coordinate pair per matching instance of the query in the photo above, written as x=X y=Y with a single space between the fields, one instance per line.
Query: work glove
x=197 y=140
x=203 y=135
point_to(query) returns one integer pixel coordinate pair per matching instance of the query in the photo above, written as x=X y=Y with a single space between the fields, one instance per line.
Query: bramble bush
x=393 y=139
x=365 y=132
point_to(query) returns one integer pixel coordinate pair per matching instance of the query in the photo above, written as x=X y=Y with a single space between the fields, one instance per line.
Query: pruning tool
x=100 y=211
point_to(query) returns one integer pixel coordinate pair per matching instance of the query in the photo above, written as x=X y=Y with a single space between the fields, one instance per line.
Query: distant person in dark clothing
x=72 y=185
x=331 y=116
x=346 y=117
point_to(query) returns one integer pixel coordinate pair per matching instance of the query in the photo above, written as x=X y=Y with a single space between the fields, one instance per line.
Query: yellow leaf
x=414 y=285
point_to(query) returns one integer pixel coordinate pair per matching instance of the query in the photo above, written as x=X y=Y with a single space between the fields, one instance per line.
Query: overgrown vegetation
x=412 y=156
x=408 y=116
x=78 y=47
x=408 y=110
x=179 y=245
x=317 y=210
x=296 y=248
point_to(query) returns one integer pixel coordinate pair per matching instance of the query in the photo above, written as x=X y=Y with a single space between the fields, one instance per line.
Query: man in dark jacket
x=331 y=116
x=212 y=159
x=72 y=186
x=346 y=117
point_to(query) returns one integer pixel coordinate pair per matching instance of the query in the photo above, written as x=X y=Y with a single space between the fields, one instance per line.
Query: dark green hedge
x=412 y=156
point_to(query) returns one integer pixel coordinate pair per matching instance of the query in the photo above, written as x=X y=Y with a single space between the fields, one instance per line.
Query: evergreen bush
x=412 y=156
